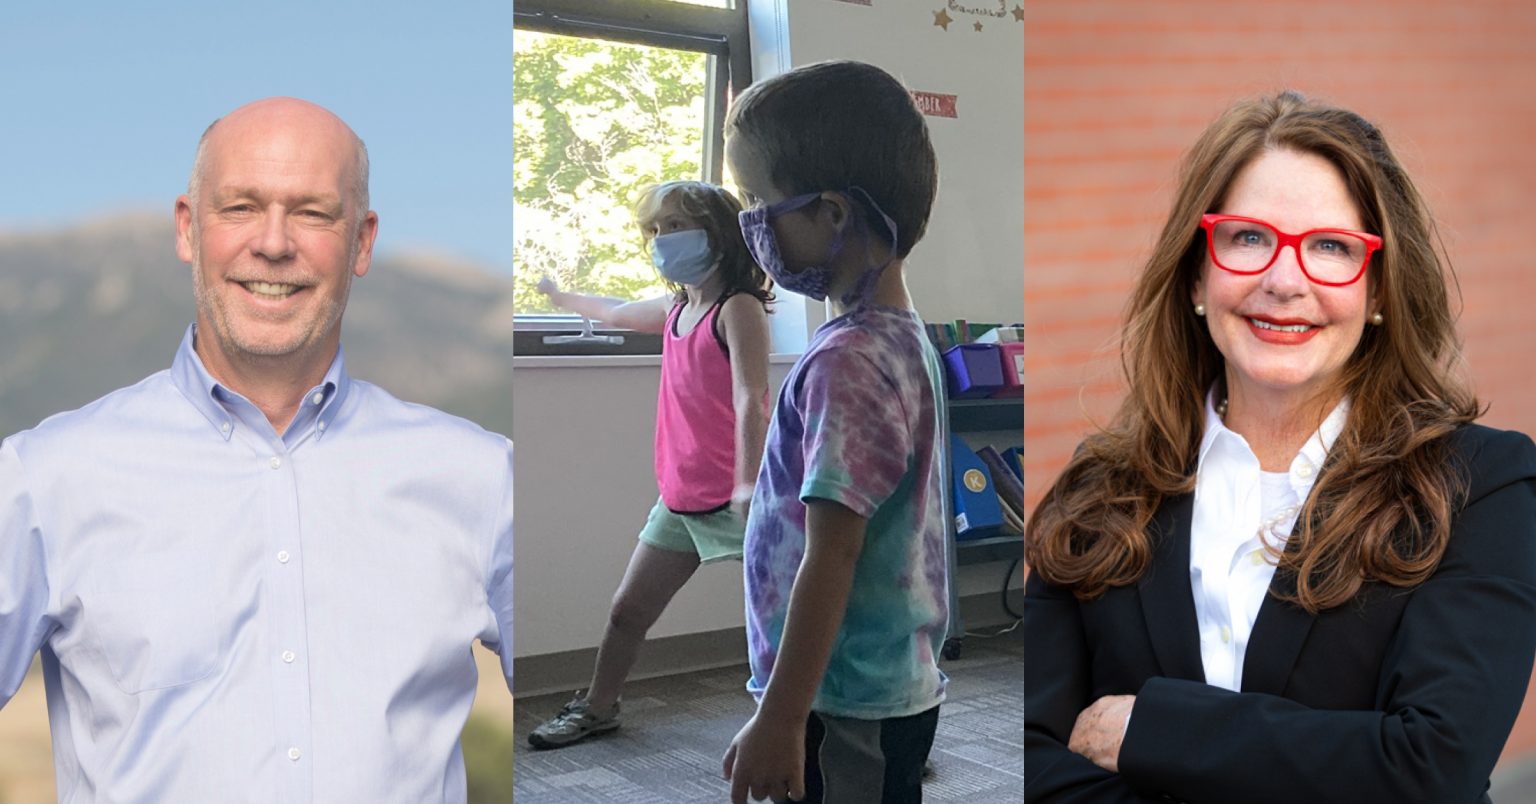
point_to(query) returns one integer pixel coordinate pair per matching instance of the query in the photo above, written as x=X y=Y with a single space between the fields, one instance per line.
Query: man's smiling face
x=274 y=231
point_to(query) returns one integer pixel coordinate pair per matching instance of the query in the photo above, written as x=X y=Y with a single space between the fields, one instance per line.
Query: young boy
x=845 y=553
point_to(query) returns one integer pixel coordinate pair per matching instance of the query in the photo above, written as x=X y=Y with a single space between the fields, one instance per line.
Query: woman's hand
x=547 y=286
x=1100 y=728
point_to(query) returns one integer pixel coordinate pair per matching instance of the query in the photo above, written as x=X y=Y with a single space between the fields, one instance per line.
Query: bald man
x=252 y=577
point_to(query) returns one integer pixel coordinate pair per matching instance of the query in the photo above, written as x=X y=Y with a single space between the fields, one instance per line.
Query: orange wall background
x=1116 y=90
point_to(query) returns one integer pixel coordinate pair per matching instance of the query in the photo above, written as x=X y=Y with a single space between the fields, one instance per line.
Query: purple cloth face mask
x=757 y=230
x=815 y=280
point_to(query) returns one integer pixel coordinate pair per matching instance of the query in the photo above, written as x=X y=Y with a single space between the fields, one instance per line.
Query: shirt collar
x=218 y=403
x=1214 y=428
x=1321 y=442
x=1315 y=451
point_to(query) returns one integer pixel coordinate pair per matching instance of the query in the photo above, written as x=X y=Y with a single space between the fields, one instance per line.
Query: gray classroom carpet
x=676 y=728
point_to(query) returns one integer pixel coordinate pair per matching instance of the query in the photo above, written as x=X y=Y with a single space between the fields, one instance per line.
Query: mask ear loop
x=866 y=282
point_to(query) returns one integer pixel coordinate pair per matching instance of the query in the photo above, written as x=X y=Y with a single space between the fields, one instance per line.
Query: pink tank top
x=695 y=420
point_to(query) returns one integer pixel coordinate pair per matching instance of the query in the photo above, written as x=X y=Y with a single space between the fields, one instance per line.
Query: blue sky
x=102 y=103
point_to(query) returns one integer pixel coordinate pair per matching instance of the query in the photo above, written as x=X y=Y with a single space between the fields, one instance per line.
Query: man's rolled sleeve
x=499 y=577
x=24 y=618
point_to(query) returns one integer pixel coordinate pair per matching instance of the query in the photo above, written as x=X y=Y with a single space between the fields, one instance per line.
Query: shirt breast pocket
x=157 y=620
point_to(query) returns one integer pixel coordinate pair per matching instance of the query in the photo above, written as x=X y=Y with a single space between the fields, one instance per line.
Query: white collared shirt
x=228 y=614
x=1229 y=569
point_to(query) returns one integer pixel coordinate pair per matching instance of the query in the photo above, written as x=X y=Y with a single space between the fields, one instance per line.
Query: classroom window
x=608 y=99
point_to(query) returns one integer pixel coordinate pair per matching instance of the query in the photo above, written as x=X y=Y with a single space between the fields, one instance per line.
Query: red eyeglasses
x=1249 y=246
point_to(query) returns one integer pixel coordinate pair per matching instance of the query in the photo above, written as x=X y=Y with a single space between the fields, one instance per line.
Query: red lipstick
x=1281 y=337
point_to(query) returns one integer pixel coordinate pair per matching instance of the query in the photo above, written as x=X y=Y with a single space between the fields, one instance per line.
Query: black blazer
x=1401 y=695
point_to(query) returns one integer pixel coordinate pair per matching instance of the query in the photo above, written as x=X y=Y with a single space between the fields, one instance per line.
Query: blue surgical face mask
x=683 y=257
x=813 y=281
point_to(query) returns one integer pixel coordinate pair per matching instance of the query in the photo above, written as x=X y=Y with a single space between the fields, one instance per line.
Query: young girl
x=711 y=416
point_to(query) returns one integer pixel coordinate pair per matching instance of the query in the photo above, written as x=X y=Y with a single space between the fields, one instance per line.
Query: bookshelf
x=976 y=416
x=983 y=415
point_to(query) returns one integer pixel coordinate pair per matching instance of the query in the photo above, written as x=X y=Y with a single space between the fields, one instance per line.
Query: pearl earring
x=1377 y=319
x=1200 y=310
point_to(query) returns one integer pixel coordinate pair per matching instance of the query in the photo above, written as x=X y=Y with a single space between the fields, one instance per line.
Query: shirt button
x=1257 y=557
x=1304 y=470
x=1226 y=634
x=288 y=656
x=224 y=428
x=317 y=398
x=293 y=754
x=282 y=556
x=321 y=425
x=275 y=462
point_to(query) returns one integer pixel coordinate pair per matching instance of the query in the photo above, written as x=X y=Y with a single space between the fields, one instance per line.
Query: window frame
x=718 y=32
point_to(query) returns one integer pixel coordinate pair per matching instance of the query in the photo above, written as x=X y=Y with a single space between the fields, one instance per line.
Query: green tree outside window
x=595 y=122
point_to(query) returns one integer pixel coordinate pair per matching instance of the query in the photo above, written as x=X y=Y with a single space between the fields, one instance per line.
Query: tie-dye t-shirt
x=857 y=422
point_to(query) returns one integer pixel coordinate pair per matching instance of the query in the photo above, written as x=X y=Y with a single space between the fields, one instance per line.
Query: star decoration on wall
x=978 y=27
x=1018 y=13
x=942 y=19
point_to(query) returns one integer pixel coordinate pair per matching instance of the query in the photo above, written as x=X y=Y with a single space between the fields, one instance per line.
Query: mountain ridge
x=102 y=303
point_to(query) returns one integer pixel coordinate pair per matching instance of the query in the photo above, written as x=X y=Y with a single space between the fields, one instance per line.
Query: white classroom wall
x=584 y=483
x=971 y=262
x=584 y=426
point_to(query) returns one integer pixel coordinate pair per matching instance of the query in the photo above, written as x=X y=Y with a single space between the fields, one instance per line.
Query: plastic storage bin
x=974 y=370
x=1012 y=357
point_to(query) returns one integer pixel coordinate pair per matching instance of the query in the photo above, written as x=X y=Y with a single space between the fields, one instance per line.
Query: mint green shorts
x=712 y=537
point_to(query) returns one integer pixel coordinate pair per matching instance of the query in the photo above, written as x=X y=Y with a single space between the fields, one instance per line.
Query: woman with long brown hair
x=1291 y=568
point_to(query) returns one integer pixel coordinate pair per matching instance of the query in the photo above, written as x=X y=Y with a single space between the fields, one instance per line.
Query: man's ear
x=184 y=248
x=366 y=232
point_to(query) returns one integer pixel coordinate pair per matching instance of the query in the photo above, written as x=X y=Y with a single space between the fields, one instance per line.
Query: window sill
x=613 y=361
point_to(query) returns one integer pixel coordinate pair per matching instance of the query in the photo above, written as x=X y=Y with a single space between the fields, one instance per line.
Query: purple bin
x=975 y=370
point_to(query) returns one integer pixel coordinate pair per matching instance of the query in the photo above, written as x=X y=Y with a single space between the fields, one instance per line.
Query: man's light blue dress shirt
x=230 y=615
